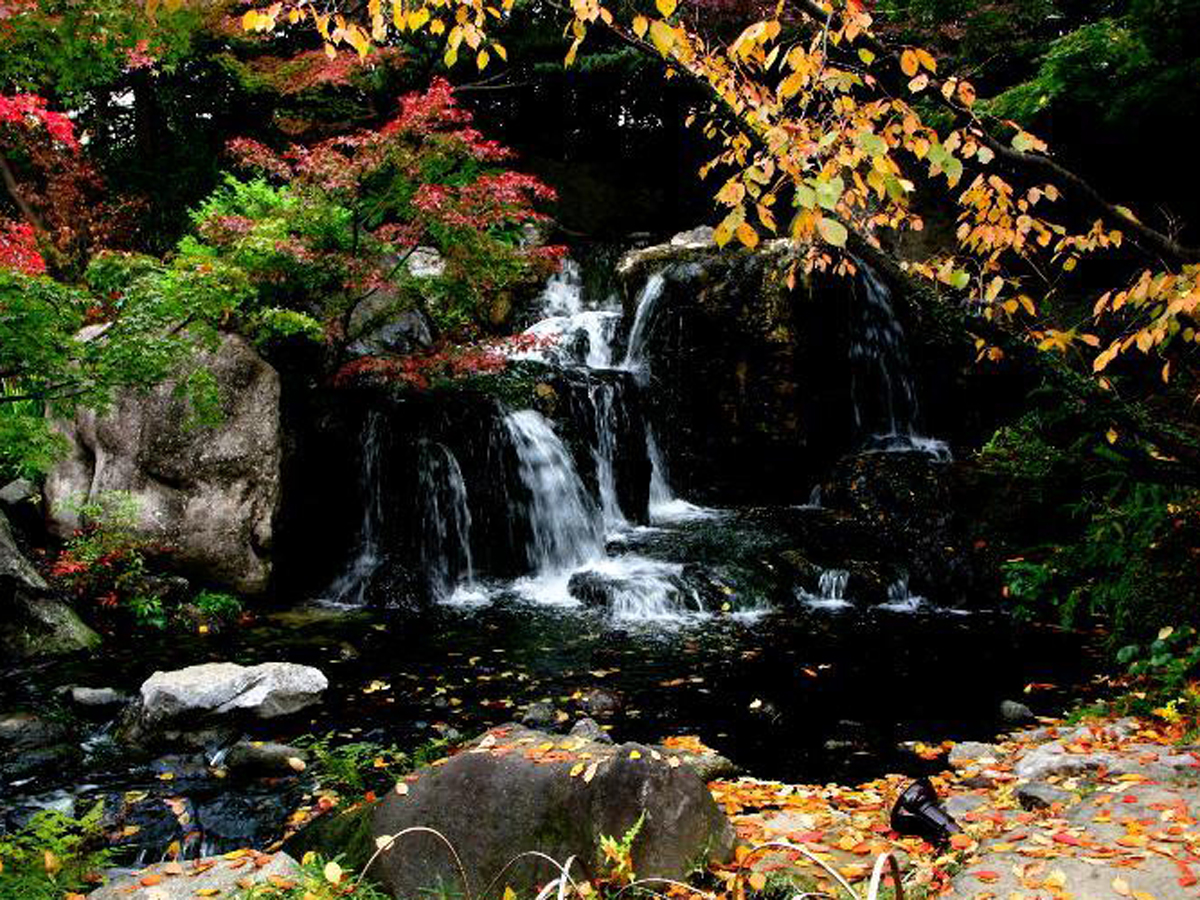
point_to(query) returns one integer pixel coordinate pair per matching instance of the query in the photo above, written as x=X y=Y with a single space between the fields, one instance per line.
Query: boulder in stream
x=33 y=622
x=518 y=790
x=202 y=704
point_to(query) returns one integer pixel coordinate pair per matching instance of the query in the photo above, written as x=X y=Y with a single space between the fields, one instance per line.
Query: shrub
x=54 y=854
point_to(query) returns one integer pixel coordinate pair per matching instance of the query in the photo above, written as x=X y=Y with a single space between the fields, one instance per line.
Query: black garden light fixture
x=918 y=812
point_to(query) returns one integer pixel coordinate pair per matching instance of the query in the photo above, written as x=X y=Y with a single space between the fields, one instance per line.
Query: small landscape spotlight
x=919 y=813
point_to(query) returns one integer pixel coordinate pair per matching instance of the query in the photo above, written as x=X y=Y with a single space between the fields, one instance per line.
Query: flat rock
x=197 y=697
x=971 y=753
x=186 y=881
x=518 y=790
x=1040 y=795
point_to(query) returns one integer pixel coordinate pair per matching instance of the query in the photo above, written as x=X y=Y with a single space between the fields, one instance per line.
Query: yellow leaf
x=665 y=7
x=333 y=872
x=635 y=754
x=1165 y=633
x=296 y=764
x=384 y=841
x=673 y=762
x=481 y=59
x=909 y=63
x=330 y=52
x=758 y=881
x=640 y=24
x=53 y=863
x=748 y=236
x=207 y=892
x=500 y=51
x=577 y=769
x=663 y=36
x=591 y=772
x=1111 y=435
x=417 y=18
x=509 y=893
x=1121 y=886
x=925 y=59
x=833 y=231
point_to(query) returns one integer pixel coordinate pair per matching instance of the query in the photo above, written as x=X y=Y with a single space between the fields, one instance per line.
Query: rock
x=32 y=621
x=494 y=802
x=17 y=492
x=255 y=759
x=385 y=323
x=195 y=704
x=701 y=236
x=590 y=730
x=30 y=744
x=1016 y=713
x=599 y=702
x=971 y=753
x=210 y=494
x=426 y=262
x=1040 y=795
x=541 y=714
x=209 y=877
x=101 y=700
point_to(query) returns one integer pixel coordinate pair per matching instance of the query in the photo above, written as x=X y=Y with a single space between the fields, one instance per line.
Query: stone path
x=1092 y=812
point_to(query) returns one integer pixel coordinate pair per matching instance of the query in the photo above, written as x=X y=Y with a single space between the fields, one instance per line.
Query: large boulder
x=33 y=622
x=517 y=790
x=209 y=494
x=207 y=703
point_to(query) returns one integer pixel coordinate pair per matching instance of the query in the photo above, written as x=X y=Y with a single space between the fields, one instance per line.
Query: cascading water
x=603 y=398
x=881 y=387
x=900 y=599
x=643 y=319
x=446 y=523
x=565 y=526
x=572 y=334
x=349 y=589
x=831 y=590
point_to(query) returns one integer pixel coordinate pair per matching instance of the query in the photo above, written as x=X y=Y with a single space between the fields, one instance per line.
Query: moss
x=349 y=835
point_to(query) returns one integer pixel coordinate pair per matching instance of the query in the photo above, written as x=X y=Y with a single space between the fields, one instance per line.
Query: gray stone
x=18 y=491
x=211 y=494
x=33 y=622
x=1016 y=713
x=187 y=880
x=1149 y=760
x=590 y=730
x=254 y=758
x=1039 y=795
x=499 y=800
x=103 y=699
x=426 y=262
x=971 y=753
x=700 y=236
x=30 y=744
x=207 y=699
x=601 y=702
x=540 y=714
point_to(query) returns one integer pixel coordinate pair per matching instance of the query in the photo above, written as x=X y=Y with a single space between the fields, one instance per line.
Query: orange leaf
x=987 y=877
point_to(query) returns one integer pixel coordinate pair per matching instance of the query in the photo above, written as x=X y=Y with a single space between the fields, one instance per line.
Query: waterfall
x=831 y=590
x=603 y=397
x=564 y=524
x=563 y=294
x=643 y=318
x=351 y=586
x=446 y=521
x=882 y=392
x=900 y=599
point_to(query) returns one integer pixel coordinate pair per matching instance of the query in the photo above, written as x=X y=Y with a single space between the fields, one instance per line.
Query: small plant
x=319 y=879
x=218 y=606
x=355 y=769
x=618 y=854
x=105 y=560
x=1164 y=670
x=53 y=855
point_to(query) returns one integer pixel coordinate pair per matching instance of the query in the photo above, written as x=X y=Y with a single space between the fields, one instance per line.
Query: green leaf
x=833 y=231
